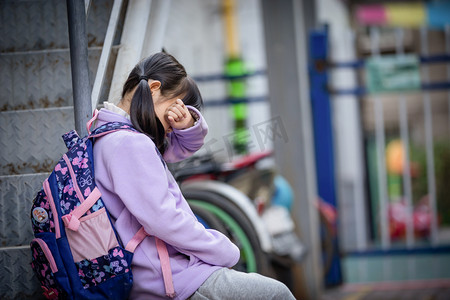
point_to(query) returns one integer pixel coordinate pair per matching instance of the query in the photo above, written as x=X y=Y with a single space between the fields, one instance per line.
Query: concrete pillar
x=286 y=48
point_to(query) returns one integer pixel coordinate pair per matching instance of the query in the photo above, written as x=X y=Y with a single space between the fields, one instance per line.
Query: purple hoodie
x=139 y=190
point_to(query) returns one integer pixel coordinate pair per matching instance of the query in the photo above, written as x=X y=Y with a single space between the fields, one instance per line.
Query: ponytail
x=143 y=115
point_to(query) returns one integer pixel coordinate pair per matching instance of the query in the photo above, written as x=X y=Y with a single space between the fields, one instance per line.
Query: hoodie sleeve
x=183 y=143
x=139 y=178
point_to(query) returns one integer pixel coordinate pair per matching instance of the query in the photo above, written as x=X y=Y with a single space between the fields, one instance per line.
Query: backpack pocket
x=45 y=268
x=116 y=262
x=96 y=250
x=93 y=238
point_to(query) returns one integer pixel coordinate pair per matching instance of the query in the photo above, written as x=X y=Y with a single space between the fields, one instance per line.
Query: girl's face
x=161 y=106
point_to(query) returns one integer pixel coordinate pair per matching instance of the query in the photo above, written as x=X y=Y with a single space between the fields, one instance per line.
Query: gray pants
x=230 y=284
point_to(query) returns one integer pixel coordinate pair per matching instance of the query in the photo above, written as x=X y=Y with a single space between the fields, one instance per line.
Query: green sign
x=393 y=73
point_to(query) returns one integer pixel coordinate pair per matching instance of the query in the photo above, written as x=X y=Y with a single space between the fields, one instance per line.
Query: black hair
x=165 y=68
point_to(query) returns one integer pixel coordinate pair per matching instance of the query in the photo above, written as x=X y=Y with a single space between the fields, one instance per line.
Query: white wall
x=195 y=36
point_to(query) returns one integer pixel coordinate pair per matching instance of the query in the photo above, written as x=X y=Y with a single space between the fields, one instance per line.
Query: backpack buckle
x=71 y=222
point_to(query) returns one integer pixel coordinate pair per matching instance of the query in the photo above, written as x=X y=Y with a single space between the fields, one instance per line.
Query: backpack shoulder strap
x=116 y=126
x=111 y=127
x=106 y=128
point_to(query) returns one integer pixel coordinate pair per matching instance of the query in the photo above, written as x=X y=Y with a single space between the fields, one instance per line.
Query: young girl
x=163 y=103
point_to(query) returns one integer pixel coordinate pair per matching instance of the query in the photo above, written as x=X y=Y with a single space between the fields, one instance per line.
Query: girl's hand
x=179 y=116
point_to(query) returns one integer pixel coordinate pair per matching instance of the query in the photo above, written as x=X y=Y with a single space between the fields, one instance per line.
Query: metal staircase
x=35 y=110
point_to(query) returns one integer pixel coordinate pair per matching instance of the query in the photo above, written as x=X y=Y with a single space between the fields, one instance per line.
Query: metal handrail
x=106 y=51
x=76 y=16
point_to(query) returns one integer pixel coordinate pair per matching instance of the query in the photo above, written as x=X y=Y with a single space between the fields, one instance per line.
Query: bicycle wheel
x=236 y=226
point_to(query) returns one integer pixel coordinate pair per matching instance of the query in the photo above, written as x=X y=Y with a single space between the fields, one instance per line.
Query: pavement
x=432 y=289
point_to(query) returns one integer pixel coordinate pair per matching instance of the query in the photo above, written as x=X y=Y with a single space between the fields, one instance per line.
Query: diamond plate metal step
x=16 y=196
x=35 y=110
x=43 y=79
x=42 y=24
x=30 y=140
x=17 y=280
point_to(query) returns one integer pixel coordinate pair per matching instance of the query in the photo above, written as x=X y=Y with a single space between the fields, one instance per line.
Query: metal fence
x=403 y=120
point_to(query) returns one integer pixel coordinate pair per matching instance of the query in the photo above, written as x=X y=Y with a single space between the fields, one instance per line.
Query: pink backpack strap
x=72 y=220
x=136 y=240
x=89 y=123
x=163 y=257
x=165 y=267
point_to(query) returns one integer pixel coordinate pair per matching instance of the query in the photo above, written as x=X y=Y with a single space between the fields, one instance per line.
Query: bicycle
x=231 y=198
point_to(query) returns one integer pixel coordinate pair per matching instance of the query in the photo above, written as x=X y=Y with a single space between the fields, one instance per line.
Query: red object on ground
x=398 y=215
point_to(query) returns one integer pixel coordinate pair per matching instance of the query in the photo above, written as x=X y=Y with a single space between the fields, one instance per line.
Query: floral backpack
x=76 y=252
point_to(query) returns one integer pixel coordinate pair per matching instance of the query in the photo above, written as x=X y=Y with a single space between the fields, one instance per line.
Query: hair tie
x=143 y=78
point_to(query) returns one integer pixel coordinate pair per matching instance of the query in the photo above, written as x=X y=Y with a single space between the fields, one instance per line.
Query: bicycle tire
x=253 y=259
